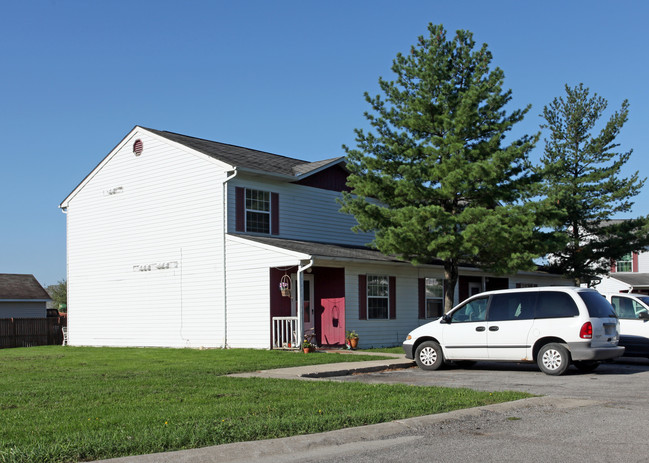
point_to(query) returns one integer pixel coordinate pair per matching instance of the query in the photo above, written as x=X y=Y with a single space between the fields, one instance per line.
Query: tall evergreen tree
x=433 y=181
x=581 y=171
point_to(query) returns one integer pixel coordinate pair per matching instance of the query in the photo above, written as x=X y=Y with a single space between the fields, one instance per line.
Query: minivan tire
x=553 y=359
x=429 y=356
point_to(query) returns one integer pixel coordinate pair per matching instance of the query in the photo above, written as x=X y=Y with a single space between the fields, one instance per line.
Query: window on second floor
x=257 y=211
x=625 y=264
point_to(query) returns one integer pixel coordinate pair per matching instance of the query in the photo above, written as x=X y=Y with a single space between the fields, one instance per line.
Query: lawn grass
x=62 y=404
x=387 y=350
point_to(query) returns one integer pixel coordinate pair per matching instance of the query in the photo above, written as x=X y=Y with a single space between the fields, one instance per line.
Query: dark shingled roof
x=634 y=279
x=245 y=157
x=13 y=286
x=326 y=250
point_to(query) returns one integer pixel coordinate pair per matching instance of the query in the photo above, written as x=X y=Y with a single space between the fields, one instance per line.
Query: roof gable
x=16 y=286
x=228 y=156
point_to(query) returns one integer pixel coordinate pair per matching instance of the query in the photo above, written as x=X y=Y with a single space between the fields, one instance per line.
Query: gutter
x=225 y=286
x=300 y=300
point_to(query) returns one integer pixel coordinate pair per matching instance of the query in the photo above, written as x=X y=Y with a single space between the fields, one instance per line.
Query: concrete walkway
x=328 y=370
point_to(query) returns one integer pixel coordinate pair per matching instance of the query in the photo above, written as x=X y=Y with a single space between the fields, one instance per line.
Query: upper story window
x=434 y=297
x=378 y=291
x=625 y=264
x=257 y=211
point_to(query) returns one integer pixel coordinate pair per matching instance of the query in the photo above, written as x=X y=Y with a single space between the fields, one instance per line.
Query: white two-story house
x=183 y=242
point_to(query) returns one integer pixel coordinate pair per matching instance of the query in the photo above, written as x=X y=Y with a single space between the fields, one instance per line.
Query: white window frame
x=386 y=297
x=429 y=282
x=257 y=211
x=628 y=264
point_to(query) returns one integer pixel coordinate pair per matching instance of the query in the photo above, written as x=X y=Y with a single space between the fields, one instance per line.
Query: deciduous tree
x=59 y=295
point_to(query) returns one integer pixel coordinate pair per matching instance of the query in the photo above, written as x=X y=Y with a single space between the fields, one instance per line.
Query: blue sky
x=286 y=77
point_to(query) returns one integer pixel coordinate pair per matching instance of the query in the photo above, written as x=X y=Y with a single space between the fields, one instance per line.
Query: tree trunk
x=450 y=281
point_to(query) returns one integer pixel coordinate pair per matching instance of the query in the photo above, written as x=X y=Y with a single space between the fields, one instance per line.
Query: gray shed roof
x=15 y=286
x=636 y=280
x=248 y=158
x=327 y=250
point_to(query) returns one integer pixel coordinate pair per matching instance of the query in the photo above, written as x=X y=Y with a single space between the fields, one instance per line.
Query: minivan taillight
x=586 y=331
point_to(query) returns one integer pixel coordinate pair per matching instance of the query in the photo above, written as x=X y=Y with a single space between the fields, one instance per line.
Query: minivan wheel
x=429 y=356
x=553 y=359
x=585 y=365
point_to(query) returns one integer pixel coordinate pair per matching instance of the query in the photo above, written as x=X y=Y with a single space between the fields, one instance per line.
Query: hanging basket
x=285 y=286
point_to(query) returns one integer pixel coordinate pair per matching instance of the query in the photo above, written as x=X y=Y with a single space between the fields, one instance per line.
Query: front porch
x=315 y=308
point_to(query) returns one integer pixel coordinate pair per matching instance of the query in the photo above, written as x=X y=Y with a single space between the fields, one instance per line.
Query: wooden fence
x=28 y=332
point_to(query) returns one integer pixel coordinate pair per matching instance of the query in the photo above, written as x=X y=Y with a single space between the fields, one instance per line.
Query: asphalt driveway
x=625 y=381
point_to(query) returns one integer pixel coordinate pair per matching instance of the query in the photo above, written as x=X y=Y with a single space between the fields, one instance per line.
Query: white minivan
x=552 y=326
x=633 y=312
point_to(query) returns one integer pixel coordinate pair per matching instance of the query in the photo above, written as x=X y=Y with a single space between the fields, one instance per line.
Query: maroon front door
x=330 y=305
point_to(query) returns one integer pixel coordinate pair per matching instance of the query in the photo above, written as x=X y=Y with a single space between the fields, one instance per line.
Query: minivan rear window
x=598 y=306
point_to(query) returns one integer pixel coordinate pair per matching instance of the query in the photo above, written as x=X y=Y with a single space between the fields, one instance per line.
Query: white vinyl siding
x=248 y=292
x=144 y=262
x=643 y=262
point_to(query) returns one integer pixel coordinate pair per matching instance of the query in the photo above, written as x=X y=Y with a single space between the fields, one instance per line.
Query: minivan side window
x=554 y=304
x=512 y=306
x=474 y=311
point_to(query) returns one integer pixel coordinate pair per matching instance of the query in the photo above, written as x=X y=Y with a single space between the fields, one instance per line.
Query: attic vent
x=138 y=147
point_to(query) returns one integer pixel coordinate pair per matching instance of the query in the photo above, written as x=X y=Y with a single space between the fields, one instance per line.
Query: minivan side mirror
x=446 y=318
x=643 y=315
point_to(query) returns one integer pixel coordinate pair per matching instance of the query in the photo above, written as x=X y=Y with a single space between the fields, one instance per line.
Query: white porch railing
x=285 y=333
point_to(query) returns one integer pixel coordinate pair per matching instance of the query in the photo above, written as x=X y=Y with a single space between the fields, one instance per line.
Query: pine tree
x=432 y=180
x=581 y=172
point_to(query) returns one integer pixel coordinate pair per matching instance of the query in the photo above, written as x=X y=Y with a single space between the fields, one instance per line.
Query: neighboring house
x=182 y=242
x=22 y=296
x=630 y=274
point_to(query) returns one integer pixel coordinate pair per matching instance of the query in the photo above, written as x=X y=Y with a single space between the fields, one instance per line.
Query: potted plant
x=352 y=339
x=307 y=346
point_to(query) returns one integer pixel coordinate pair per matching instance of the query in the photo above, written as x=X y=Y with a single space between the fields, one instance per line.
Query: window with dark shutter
x=362 y=297
x=393 y=297
x=274 y=210
x=256 y=211
x=422 y=297
x=240 y=207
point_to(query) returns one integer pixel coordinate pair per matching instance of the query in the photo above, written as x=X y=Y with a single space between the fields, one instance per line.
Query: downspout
x=300 y=300
x=225 y=231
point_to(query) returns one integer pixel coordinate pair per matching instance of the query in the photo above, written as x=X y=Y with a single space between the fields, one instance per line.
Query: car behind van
x=633 y=312
x=552 y=326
